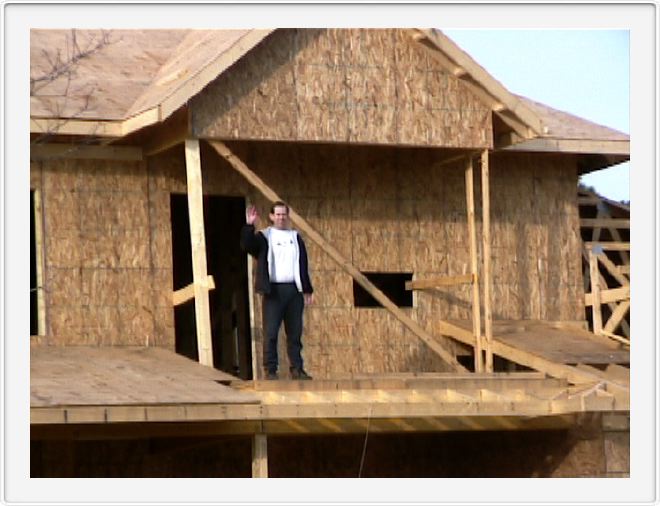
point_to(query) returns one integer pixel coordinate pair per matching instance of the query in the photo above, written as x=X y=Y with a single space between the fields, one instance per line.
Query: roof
x=565 y=132
x=129 y=79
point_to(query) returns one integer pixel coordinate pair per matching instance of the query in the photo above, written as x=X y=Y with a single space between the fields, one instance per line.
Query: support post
x=198 y=241
x=595 y=292
x=472 y=231
x=39 y=244
x=488 y=314
x=260 y=456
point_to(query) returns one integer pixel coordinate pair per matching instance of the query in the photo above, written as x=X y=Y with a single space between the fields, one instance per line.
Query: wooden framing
x=200 y=286
x=188 y=292
x=617 y=299
x=472 y=231
x=422 y=284
x=84 y=152
x=346 y=265
x=595 y=291
x=260 y=456
x=39 y=248
x=609 y=246
x=488 y=314
x=610 y=295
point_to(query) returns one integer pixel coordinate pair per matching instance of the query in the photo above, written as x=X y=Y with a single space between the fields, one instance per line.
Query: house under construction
x=452 y=334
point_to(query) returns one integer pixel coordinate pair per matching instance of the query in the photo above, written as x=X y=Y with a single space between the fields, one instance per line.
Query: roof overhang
x=166 y=106
x=580 y=146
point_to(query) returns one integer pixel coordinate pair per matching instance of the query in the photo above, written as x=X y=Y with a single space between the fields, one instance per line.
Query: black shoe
x=271 y=375
x=300 y=374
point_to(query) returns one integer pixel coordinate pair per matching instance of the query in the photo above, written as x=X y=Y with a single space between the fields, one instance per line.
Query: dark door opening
x=229 y=301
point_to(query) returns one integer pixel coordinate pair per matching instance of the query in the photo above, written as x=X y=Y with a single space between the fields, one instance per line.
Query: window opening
x=392 y=284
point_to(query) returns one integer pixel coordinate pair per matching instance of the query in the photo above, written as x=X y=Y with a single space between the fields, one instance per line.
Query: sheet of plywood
x=81 y=375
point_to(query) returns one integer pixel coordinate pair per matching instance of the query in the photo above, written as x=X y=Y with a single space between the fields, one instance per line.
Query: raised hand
x=251 y=215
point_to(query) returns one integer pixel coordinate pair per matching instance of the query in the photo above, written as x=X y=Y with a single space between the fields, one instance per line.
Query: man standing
x=282 y=278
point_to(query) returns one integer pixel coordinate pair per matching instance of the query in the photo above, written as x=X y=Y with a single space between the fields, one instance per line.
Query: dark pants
x=284 y=302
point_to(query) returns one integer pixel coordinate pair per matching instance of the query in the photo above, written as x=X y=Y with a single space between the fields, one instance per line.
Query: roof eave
x=578 y=146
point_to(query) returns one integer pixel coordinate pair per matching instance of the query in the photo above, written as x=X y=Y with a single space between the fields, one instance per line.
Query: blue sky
x=583 y=72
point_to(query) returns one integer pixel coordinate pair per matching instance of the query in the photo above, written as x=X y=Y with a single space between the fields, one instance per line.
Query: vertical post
x=476 y=313
x=488 y=314
x=253 y=328
x=198 y=241
x=595 y=292
x=39 y=246
x=260 y=456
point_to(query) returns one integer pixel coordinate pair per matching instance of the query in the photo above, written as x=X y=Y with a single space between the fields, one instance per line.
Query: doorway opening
x=229 y=301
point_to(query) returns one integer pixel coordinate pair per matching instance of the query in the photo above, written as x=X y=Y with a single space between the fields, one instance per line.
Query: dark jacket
x=256 y=244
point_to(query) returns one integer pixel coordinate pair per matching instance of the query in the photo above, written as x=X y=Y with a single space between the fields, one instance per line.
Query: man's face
x=280 y=217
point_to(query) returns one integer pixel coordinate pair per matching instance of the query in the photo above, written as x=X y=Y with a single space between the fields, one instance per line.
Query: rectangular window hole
x=392 y=284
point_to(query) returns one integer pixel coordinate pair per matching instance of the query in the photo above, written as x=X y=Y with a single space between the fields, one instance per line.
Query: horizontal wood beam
x=421 y=284
x=188 y=292
x=84 y=152
x=346 y=265
x=605 y=222
x=67 y=126
x=611 y=295
x=298 y=412
x=608 y=245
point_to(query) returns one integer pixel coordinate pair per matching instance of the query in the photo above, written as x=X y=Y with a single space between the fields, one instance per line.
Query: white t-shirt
x=284 y=255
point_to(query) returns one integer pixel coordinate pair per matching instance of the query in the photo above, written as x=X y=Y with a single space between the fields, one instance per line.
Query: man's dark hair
x=279 y=203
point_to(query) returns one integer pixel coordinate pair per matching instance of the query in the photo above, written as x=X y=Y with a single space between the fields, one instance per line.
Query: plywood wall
x=403 y=210
x=342 y=85
x=103 y=282
x=108 y=244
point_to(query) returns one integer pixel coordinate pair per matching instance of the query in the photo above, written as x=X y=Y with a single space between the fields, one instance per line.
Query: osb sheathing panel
x=105 y=284
x=108 y=244
x=403 y=210
x=342 y=85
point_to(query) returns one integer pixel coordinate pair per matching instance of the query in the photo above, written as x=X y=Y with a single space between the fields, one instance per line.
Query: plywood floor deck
x=89 y=376
x=557 y=342
x=152 y=389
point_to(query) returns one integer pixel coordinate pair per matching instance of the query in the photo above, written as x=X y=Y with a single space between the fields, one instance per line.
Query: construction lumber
x=259 y=456
x=594 y=275
x=39 y=246
x=198 y=241
x=612 y=305
x=620 y=339
x=472 y=231
x=571 y=374
x=488 y=313
x=170 y=133
x=609 y=246
x=605 y=222
x=422 y=284
x=611 y=295
x=186 y=293
x=616 y=317
x=346 y=265
x=614 y=270
x=76 y=127
x=84 y=152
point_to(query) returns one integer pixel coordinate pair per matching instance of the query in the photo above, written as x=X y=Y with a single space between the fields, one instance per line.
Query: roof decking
x=140 y=77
